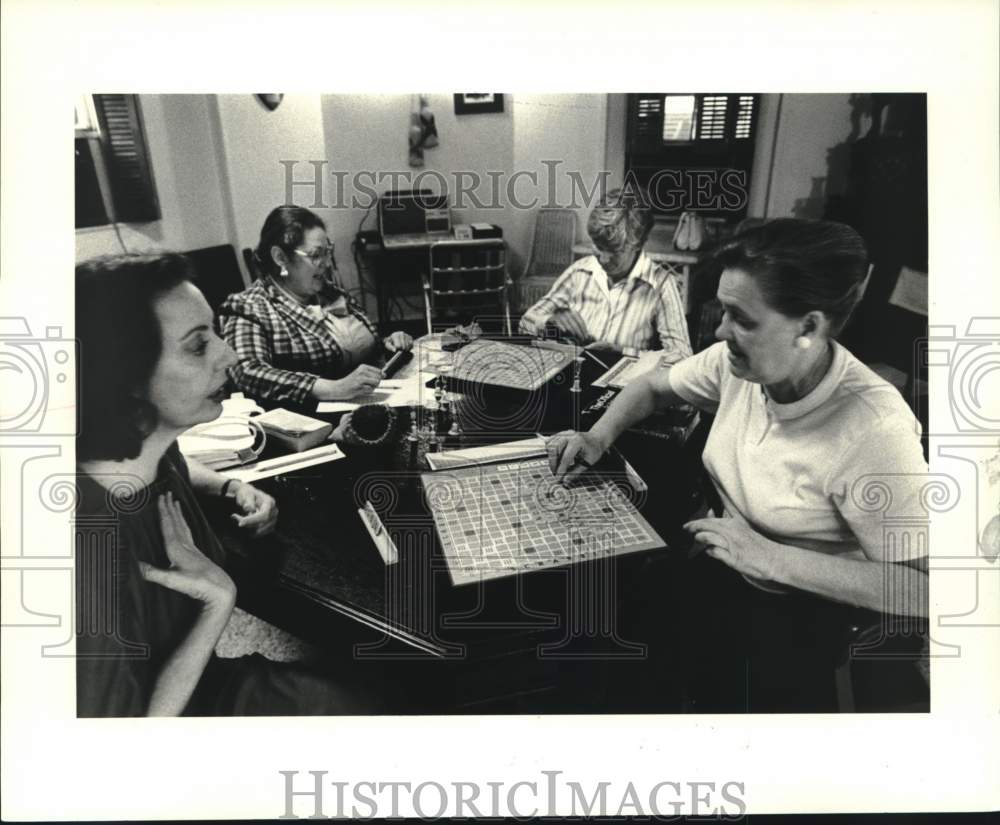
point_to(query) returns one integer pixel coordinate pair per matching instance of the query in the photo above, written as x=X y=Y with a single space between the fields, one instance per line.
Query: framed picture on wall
x=478 y=103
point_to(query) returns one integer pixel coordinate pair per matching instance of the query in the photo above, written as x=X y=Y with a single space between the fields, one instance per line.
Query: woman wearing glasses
x=297 y=337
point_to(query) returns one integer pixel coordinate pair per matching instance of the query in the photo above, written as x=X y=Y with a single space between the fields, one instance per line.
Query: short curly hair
x=119 y=346
x=623 y=218
x=802 y=265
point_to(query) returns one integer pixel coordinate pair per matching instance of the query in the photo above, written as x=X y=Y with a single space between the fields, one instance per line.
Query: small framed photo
x=478 y=103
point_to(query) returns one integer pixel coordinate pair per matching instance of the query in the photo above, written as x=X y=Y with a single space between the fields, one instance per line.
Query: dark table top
x=321 y=576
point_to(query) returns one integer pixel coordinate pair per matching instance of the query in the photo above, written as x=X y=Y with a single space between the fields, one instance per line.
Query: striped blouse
x=641 y=312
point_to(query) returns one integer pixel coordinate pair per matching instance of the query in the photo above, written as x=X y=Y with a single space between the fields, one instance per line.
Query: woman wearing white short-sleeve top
x=803 y=432
x=801 y=425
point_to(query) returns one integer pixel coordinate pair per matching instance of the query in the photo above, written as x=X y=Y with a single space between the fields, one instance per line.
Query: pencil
x=598 y=360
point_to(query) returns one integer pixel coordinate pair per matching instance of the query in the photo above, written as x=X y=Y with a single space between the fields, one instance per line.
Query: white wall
x=354 y=133
x=615 y=137
x=569 y=128
x=254 y=141
x=186 y=173
x=216 y=162
x=216 y=159
x=763 y=155
x=810 y=128
x=370 y=133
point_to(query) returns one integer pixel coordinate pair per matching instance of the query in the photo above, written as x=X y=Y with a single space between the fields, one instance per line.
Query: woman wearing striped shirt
x=617 y=300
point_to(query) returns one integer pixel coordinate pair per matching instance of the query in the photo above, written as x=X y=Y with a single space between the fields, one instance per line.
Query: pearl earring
x=802 y=342
x=283 y=273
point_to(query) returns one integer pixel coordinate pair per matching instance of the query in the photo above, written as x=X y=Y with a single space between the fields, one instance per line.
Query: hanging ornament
x=416 y=140
x=427 y=124
x=271 y=100
x=423 y=130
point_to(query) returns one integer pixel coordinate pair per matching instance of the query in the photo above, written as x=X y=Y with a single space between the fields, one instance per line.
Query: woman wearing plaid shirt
x=298 y=338
x=616 y=300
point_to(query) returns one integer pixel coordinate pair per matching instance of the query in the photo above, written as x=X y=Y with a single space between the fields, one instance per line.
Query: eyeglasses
x=319 y=256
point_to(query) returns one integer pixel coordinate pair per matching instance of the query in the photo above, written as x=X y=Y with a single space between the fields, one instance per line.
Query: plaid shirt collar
x=297 y=311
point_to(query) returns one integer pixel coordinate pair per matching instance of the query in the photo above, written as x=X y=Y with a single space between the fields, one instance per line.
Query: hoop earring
x=802 y=342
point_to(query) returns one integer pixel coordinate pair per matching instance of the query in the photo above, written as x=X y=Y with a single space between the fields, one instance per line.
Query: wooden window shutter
x=646 y=122
x=712 y=117
x=744 y=117
x=127 y=158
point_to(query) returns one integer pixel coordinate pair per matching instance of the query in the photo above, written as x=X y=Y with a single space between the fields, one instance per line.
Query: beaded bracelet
x=352 y=435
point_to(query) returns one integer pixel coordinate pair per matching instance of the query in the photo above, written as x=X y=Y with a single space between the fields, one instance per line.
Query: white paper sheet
x=407 y=387
x=395 y=393
x=910 y=291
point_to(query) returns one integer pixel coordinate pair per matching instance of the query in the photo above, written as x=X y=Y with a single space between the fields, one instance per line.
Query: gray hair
x=622 y=218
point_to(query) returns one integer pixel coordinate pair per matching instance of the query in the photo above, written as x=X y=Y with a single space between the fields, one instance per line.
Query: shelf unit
x=458 y=271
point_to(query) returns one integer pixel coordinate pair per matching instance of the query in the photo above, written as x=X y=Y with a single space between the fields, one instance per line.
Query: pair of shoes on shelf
x=690 y=232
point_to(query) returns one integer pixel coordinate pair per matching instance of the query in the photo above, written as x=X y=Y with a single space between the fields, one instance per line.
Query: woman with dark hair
x=152 y=596
x=616 y=300
x=297 y=337
x=800 y=427
x=118 y=310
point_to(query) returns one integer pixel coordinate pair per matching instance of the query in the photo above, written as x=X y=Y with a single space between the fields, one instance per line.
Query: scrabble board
x=507 y=365
x=502 y=519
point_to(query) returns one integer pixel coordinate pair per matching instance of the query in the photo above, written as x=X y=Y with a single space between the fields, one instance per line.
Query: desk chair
x=550 y=253
x=218 y=273
x=461 y=270
x=252 y=266
x=895 y=650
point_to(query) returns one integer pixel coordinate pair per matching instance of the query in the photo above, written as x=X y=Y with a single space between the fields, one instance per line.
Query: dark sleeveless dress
x=128 y=627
